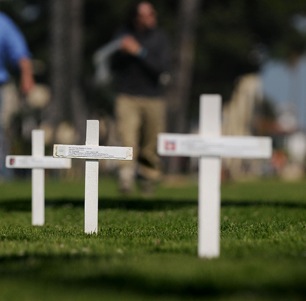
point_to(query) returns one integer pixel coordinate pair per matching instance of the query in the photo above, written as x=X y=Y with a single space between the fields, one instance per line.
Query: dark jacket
x=140 y=75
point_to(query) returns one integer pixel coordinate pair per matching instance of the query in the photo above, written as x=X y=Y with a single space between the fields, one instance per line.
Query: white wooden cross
x=38 y=162
x=92 y=153
x=210 y=147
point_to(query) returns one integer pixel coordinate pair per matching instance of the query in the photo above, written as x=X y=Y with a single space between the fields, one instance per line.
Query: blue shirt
x=13 y=46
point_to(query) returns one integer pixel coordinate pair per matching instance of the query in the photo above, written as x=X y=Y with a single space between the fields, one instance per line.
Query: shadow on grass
x=140 y=204
x=130 y=279
x=281 y=204
x=127 y=281
x=106 y=203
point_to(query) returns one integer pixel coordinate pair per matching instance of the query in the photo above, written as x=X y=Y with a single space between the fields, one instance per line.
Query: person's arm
x=18 y=54
x=26 y=75
x=157 y=60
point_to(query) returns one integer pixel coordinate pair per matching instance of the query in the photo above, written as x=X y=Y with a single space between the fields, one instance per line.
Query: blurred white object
x=296 y=147
x=101 y=62
x=39 y=96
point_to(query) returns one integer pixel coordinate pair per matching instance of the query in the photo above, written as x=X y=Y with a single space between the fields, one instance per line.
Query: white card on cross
x=92 y=152
x=47 y=162
x=191 y=145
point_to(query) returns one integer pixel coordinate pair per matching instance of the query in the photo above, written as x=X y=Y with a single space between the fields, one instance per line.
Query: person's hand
x=130 y=45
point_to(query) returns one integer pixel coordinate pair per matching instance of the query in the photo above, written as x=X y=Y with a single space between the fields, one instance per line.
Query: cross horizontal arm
x=29 y=162
x=226 y=146
x=92 y=152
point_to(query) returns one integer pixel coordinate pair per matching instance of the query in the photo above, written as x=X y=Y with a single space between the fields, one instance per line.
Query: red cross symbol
x=170 y=145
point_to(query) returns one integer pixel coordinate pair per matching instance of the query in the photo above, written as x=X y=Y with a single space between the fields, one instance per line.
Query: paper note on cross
x=210 y=147
x=38 y=162
x=92 y=153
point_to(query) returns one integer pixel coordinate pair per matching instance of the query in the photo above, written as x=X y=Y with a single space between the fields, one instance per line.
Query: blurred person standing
x=14 y=54
x=141 y=68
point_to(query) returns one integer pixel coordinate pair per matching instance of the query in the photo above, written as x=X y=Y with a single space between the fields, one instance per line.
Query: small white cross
x=38 y=162
x=210 y=147
x=92 y=153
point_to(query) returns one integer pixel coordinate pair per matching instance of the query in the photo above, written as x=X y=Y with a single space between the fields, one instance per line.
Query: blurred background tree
x=228 y=38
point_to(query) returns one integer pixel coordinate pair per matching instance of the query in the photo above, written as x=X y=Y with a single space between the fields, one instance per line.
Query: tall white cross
x=92 y=153
x=38 y=162
x=210 y=147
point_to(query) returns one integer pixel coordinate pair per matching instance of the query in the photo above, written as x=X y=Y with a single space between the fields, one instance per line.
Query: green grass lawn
x=146 y=249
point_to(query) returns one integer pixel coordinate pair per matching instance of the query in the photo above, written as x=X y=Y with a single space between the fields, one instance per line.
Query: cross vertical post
x=209 y=180
x=38 y=180
x=91 y=180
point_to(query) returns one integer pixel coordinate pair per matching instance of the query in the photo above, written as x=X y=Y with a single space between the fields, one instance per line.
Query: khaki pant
x=139 y=120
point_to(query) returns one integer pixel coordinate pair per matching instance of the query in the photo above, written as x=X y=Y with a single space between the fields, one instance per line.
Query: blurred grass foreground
x=146 y=249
